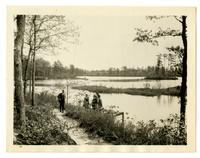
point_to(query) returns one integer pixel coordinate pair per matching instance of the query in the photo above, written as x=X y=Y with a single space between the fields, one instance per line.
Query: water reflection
x=143 y=108
x=136 y=107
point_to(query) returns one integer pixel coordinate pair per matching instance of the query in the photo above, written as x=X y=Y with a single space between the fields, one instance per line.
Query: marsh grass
x=173 y=91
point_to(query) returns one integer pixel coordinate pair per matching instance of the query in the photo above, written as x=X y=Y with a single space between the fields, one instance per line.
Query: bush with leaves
x=166 y=132
x=42 y=127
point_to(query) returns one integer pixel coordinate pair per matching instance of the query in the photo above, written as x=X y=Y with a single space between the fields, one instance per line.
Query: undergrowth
x=42 y=127
x=141 y=133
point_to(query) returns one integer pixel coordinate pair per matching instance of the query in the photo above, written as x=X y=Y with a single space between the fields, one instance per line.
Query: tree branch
x=178 y=19
x=149 y=37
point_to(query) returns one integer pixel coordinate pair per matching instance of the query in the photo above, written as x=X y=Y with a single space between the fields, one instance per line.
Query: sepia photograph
x=101 y=79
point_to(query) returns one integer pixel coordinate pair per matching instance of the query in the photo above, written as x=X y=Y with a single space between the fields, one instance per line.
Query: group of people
x=96 y=103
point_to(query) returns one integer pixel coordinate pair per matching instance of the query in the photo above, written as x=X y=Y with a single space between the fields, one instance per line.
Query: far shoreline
x=111 y=80
x=172 y=91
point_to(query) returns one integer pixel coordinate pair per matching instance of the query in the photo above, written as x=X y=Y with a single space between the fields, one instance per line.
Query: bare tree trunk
x=19 y=94
x=30 y=90
x=22 y=54
x=26 y=69
x=30 y=80
x=184 y=73
x=33 y=70
x=33 y=81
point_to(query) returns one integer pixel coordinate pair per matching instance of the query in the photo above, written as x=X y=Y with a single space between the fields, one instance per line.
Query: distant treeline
x=45 y=70
x=125 y=71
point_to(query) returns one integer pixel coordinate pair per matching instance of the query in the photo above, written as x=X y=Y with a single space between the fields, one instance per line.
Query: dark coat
x=61 y=98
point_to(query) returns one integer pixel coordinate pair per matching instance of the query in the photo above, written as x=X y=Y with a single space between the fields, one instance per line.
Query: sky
x=107 y=41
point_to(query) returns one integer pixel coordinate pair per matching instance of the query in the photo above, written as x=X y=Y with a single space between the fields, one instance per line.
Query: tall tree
x=184 y=72
x=18 y=81
x=28 y=40
x=57 y=69
x=42 y=68
x=159 y=64
x=150 y=37
x=45 y=34
x=33 y=65
x=72 y=70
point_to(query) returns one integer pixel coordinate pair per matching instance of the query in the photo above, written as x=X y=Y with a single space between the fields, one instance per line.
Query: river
x=136 y=108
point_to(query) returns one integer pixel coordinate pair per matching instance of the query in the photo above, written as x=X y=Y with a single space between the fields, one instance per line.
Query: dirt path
x=76 y=133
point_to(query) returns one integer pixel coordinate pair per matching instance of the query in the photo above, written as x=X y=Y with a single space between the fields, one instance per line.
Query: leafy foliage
x=149 y=36
x=145 y=35
x=155 y=18
x=178 y=53
x=166 y=132
x=42 y=127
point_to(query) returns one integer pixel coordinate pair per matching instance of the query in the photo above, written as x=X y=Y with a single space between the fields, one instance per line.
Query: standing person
x=86 y=102
x=94 y=102
x=99 y=101
x=61 y=100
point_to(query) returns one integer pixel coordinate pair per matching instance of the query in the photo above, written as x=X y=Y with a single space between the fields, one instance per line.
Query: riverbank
x=160 y=78
x=120 y=80
x=173 y=91
x=47 y=126
x=105 y=124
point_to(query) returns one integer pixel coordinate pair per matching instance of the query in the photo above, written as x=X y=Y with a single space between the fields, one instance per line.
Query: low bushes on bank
x=150 y=133
x=42 y=127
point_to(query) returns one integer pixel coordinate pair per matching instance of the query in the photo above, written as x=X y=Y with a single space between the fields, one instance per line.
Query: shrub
x=42 y=127
x=43 y=98
x=166 y=132
x=95 y=122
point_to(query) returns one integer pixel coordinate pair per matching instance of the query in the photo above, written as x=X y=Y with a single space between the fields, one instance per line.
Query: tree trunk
x=22 y=54
x=26 y=69
x=183 y=92
x=33 y=80
x=33 y=69
x=18 y=81
x=30 y=80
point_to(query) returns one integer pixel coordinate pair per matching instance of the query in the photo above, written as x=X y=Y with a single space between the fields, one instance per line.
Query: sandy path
x=76 y=133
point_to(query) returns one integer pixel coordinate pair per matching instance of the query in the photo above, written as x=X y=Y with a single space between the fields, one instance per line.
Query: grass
x=173 y=91
x=150 y=133
x=42 y=127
